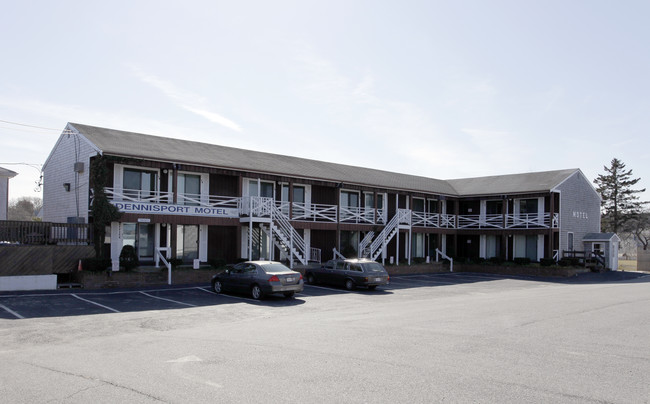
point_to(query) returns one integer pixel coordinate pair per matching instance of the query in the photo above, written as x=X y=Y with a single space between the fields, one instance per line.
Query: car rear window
x=274 y=268
x=373 y=267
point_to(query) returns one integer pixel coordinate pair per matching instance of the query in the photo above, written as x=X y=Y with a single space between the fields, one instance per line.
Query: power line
x=31 y=126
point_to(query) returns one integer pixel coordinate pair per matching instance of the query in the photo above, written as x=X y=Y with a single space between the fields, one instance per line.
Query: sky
x=442 y=89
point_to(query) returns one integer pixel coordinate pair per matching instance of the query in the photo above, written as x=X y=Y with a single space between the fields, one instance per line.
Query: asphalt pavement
x=452 y=337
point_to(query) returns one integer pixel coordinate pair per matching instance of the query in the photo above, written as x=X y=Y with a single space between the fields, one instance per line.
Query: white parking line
x=168 y=300
x=95 y=303
x=421 y=281
x=11 y=311
x=224 y=295
x=326 y=288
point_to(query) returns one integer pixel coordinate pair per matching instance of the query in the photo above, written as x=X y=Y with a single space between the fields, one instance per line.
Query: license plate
x=290 y=279
x=377 y=279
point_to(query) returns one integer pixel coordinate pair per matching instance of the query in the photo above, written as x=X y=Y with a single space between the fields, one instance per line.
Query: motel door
x=142 y=237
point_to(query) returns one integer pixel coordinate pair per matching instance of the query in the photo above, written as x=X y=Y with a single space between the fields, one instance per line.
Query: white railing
x=211 y=201
x=314 y=212
x=138 y=195
x=480 y=221
x=528 y=220
x=445 y=256
x=337 y=254
x=256 y=206
x=163 y=258
x=293 y=241
x=351 y=214
x=388 y=232
x=364 y=251
x=315 y=254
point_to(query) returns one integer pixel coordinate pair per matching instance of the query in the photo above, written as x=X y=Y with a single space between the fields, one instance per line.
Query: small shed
x=603 y=244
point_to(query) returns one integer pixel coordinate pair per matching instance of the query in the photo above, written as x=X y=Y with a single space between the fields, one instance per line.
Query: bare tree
x=25 y=208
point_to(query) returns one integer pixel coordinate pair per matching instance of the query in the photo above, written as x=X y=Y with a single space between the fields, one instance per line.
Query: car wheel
x=311 y=279
x=289 y=295
x=216 y=286
x=256 y=292
x=349 y=284
x=372 y=287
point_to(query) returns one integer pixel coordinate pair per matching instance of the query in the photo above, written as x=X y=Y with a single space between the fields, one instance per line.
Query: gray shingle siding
x=579 y=210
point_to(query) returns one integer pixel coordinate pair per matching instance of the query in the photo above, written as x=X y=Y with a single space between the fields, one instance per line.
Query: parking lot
x=424 y=338
x=76 y=302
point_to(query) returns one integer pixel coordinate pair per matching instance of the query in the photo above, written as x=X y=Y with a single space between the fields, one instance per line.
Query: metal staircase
x=275 y=224
x=403 y=216
x=364 y=245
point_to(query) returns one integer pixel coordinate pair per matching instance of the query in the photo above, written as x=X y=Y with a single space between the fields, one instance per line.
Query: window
x=139 y=183
x=569 y=241
x=349 y=199
x=187 y=242
x=298 y=193
x=418 y=205
x=528 y=206
x=417 y=245
x=189 y=186
x=265 y=189
x=433 y=206
x=494 y=207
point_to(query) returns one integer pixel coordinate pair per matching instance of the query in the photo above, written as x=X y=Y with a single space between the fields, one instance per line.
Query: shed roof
x=600 y=237
x=137 y=145
x=7 y=173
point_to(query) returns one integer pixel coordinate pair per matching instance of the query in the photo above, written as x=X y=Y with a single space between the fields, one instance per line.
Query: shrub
x=522 y=260
x=547 y=262
x=175 y=262
x=129 y=258
x=418 y=260
x=495 y=260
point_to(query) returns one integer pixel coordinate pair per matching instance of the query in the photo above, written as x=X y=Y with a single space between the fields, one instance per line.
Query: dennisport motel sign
x=166 y=209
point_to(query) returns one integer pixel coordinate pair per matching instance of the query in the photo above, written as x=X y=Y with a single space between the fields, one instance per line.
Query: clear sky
x=444 y=89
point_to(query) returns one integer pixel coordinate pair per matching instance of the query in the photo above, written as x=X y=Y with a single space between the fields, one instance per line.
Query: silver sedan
x=259 y=278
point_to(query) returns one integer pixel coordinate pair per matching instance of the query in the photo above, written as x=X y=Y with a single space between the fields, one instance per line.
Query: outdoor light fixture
x=66 y=186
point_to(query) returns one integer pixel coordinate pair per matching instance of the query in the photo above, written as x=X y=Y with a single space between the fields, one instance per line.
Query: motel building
x=197 y=201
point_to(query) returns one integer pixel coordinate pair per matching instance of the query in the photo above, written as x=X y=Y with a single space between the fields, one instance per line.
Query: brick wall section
x=121 y=279
x=520 y=270
x=59 y=204
x=579 y=210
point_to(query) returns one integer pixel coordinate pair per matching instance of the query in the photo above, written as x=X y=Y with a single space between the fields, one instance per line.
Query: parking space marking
x=418 y=281
x=11 y=311
x=326 y=288
x=168 y=300
x=95 y=303
x=232 y=297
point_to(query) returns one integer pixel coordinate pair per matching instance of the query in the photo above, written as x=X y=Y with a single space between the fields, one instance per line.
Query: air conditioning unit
x=78 y=167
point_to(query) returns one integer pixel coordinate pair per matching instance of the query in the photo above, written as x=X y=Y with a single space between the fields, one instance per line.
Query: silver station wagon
x=259 y=278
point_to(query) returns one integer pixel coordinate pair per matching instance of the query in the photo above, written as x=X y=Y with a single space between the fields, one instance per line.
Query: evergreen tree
x=103 y=212
x=620 y=203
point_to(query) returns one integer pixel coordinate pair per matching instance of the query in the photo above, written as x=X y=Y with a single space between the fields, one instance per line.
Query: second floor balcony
x=138 y=201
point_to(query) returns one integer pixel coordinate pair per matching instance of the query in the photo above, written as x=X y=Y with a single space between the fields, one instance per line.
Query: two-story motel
x=205 y=202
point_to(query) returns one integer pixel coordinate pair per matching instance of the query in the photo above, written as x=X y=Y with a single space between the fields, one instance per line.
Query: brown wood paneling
x=222 y=243
x=16 y=260
x=224 y=185
x=326 y=241
x=324 y=195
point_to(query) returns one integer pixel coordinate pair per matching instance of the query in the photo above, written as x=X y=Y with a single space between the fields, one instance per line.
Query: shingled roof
x=137 y=145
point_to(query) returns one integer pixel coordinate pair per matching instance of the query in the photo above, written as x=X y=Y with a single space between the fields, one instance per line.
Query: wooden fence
x=17 y=232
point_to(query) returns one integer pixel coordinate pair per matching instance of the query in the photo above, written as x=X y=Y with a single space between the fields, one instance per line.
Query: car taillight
x=300 y=277
x=388 y=278
x=274 y=278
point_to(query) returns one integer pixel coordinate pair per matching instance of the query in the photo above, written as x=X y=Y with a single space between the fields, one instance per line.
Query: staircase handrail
x=367 y=239
x=294 y=240
x=445 y=256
